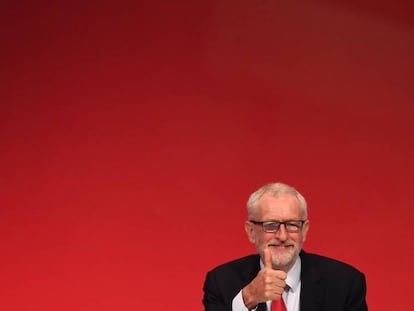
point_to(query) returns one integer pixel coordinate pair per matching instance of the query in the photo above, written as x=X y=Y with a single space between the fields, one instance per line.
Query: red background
x=132 y=134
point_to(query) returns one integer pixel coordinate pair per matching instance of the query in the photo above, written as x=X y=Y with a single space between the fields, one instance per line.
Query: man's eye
x=292 y=224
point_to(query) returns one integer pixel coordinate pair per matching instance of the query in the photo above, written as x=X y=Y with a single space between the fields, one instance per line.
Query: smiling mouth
x=278 y=246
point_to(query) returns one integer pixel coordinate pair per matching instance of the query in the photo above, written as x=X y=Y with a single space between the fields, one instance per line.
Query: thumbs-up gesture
x=269 y=284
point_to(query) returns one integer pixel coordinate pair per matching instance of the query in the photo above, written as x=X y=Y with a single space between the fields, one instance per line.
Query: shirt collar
x=293 y=275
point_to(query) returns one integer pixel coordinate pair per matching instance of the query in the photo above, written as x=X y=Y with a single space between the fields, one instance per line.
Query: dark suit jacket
x=326 y=284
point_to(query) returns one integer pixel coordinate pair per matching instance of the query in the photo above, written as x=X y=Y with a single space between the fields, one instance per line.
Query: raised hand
x=269 y=284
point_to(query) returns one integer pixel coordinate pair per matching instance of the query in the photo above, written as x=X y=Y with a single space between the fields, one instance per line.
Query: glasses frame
x=264 y=223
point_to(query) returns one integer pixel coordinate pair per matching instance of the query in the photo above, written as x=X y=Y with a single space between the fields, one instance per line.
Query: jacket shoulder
x=223 y=282
x=327 y=264
x=239 y=264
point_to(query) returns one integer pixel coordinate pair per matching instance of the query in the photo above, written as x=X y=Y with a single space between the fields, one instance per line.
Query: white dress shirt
x=291 y=295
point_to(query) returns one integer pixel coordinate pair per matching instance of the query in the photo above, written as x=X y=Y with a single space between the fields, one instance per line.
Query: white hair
x=274 y=189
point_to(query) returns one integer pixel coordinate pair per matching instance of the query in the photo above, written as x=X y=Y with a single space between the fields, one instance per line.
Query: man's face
x=284 y=246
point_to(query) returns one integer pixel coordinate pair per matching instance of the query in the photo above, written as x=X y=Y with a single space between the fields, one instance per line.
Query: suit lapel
x=249 y=271
x=310 y=293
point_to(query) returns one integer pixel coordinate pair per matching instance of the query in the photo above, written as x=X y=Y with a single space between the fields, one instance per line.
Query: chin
x=282 y=263
x=283 y=260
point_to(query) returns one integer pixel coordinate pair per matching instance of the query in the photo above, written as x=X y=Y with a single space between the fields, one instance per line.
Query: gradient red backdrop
x=132 y=134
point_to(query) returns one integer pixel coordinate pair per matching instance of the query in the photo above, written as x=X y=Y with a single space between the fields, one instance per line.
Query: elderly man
x=282 y=276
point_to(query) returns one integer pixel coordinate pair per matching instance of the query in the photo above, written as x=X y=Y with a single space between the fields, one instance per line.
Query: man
x=282 y=276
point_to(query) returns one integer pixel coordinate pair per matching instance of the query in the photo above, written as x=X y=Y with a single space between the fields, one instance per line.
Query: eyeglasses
x=291 y=226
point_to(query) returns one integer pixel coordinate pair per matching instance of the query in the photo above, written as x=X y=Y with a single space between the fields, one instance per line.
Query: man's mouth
x=280 y=246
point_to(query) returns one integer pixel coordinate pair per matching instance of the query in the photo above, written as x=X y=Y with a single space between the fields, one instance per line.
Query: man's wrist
x=248 y=299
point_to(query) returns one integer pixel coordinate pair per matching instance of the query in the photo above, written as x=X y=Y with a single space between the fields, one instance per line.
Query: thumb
x=267 y=258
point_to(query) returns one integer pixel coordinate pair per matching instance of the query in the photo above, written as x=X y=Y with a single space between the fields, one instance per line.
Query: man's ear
x=305 y=230
x=249 y=228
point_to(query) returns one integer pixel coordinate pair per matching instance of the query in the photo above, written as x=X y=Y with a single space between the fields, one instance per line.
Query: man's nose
x=282 y=233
